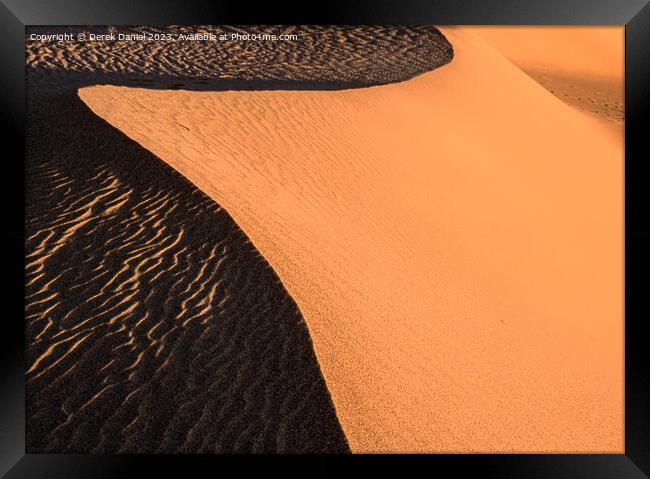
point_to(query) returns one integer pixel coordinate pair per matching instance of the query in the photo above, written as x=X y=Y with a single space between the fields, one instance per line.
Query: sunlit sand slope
x=153 y=325
x=582 y=65
x=454 y=243
x=152 y=322
x=579 y=50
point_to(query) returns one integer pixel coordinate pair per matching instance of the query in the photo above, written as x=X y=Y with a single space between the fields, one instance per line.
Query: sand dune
x=322 y=57
x=578 y=50
x=152 y=322
x=454 y=243
x=583 y=66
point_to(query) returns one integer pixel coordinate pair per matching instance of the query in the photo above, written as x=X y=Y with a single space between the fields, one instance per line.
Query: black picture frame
x=15 y=15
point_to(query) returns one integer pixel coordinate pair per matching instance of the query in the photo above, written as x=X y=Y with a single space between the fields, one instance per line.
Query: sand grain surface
x=581 y=65
x=454 y=243
x=152 y=322
x=429 y=265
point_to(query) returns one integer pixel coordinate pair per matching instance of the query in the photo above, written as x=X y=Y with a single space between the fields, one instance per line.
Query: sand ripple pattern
x=153 y=324
x=322 y=57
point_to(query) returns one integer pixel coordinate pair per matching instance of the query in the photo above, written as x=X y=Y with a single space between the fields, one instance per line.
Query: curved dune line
x=454 y=243
x=188 y=329
x=152 y=323
x=583 y=66
x=577 y=50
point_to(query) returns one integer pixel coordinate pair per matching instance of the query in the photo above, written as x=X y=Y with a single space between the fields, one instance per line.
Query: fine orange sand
x=454 y=243
x=578 y=50
x=582 y=65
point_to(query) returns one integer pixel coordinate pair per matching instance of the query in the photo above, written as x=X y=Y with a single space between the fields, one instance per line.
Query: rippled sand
x=152 y=322
x=453 y=241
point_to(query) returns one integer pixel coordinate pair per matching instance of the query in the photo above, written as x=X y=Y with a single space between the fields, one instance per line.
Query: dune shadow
x=152 y=322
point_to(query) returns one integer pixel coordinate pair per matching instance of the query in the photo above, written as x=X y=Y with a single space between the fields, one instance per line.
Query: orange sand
x=454 y=243
x=580 y=50
x=583 y=66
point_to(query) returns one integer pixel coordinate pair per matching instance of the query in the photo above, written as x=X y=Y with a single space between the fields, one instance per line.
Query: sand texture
x=452 y=238
x=454 y=243
x=582 y=66
x=324 y=58
x=153 y=324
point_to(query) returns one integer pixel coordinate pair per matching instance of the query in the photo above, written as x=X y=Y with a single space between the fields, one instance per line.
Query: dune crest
x=450 y=241
x=152 y=323
x=576 y=50
x=581 y=65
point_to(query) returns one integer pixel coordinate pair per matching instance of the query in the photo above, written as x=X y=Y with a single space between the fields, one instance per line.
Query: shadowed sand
x=454 y=243
x=152 y=322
